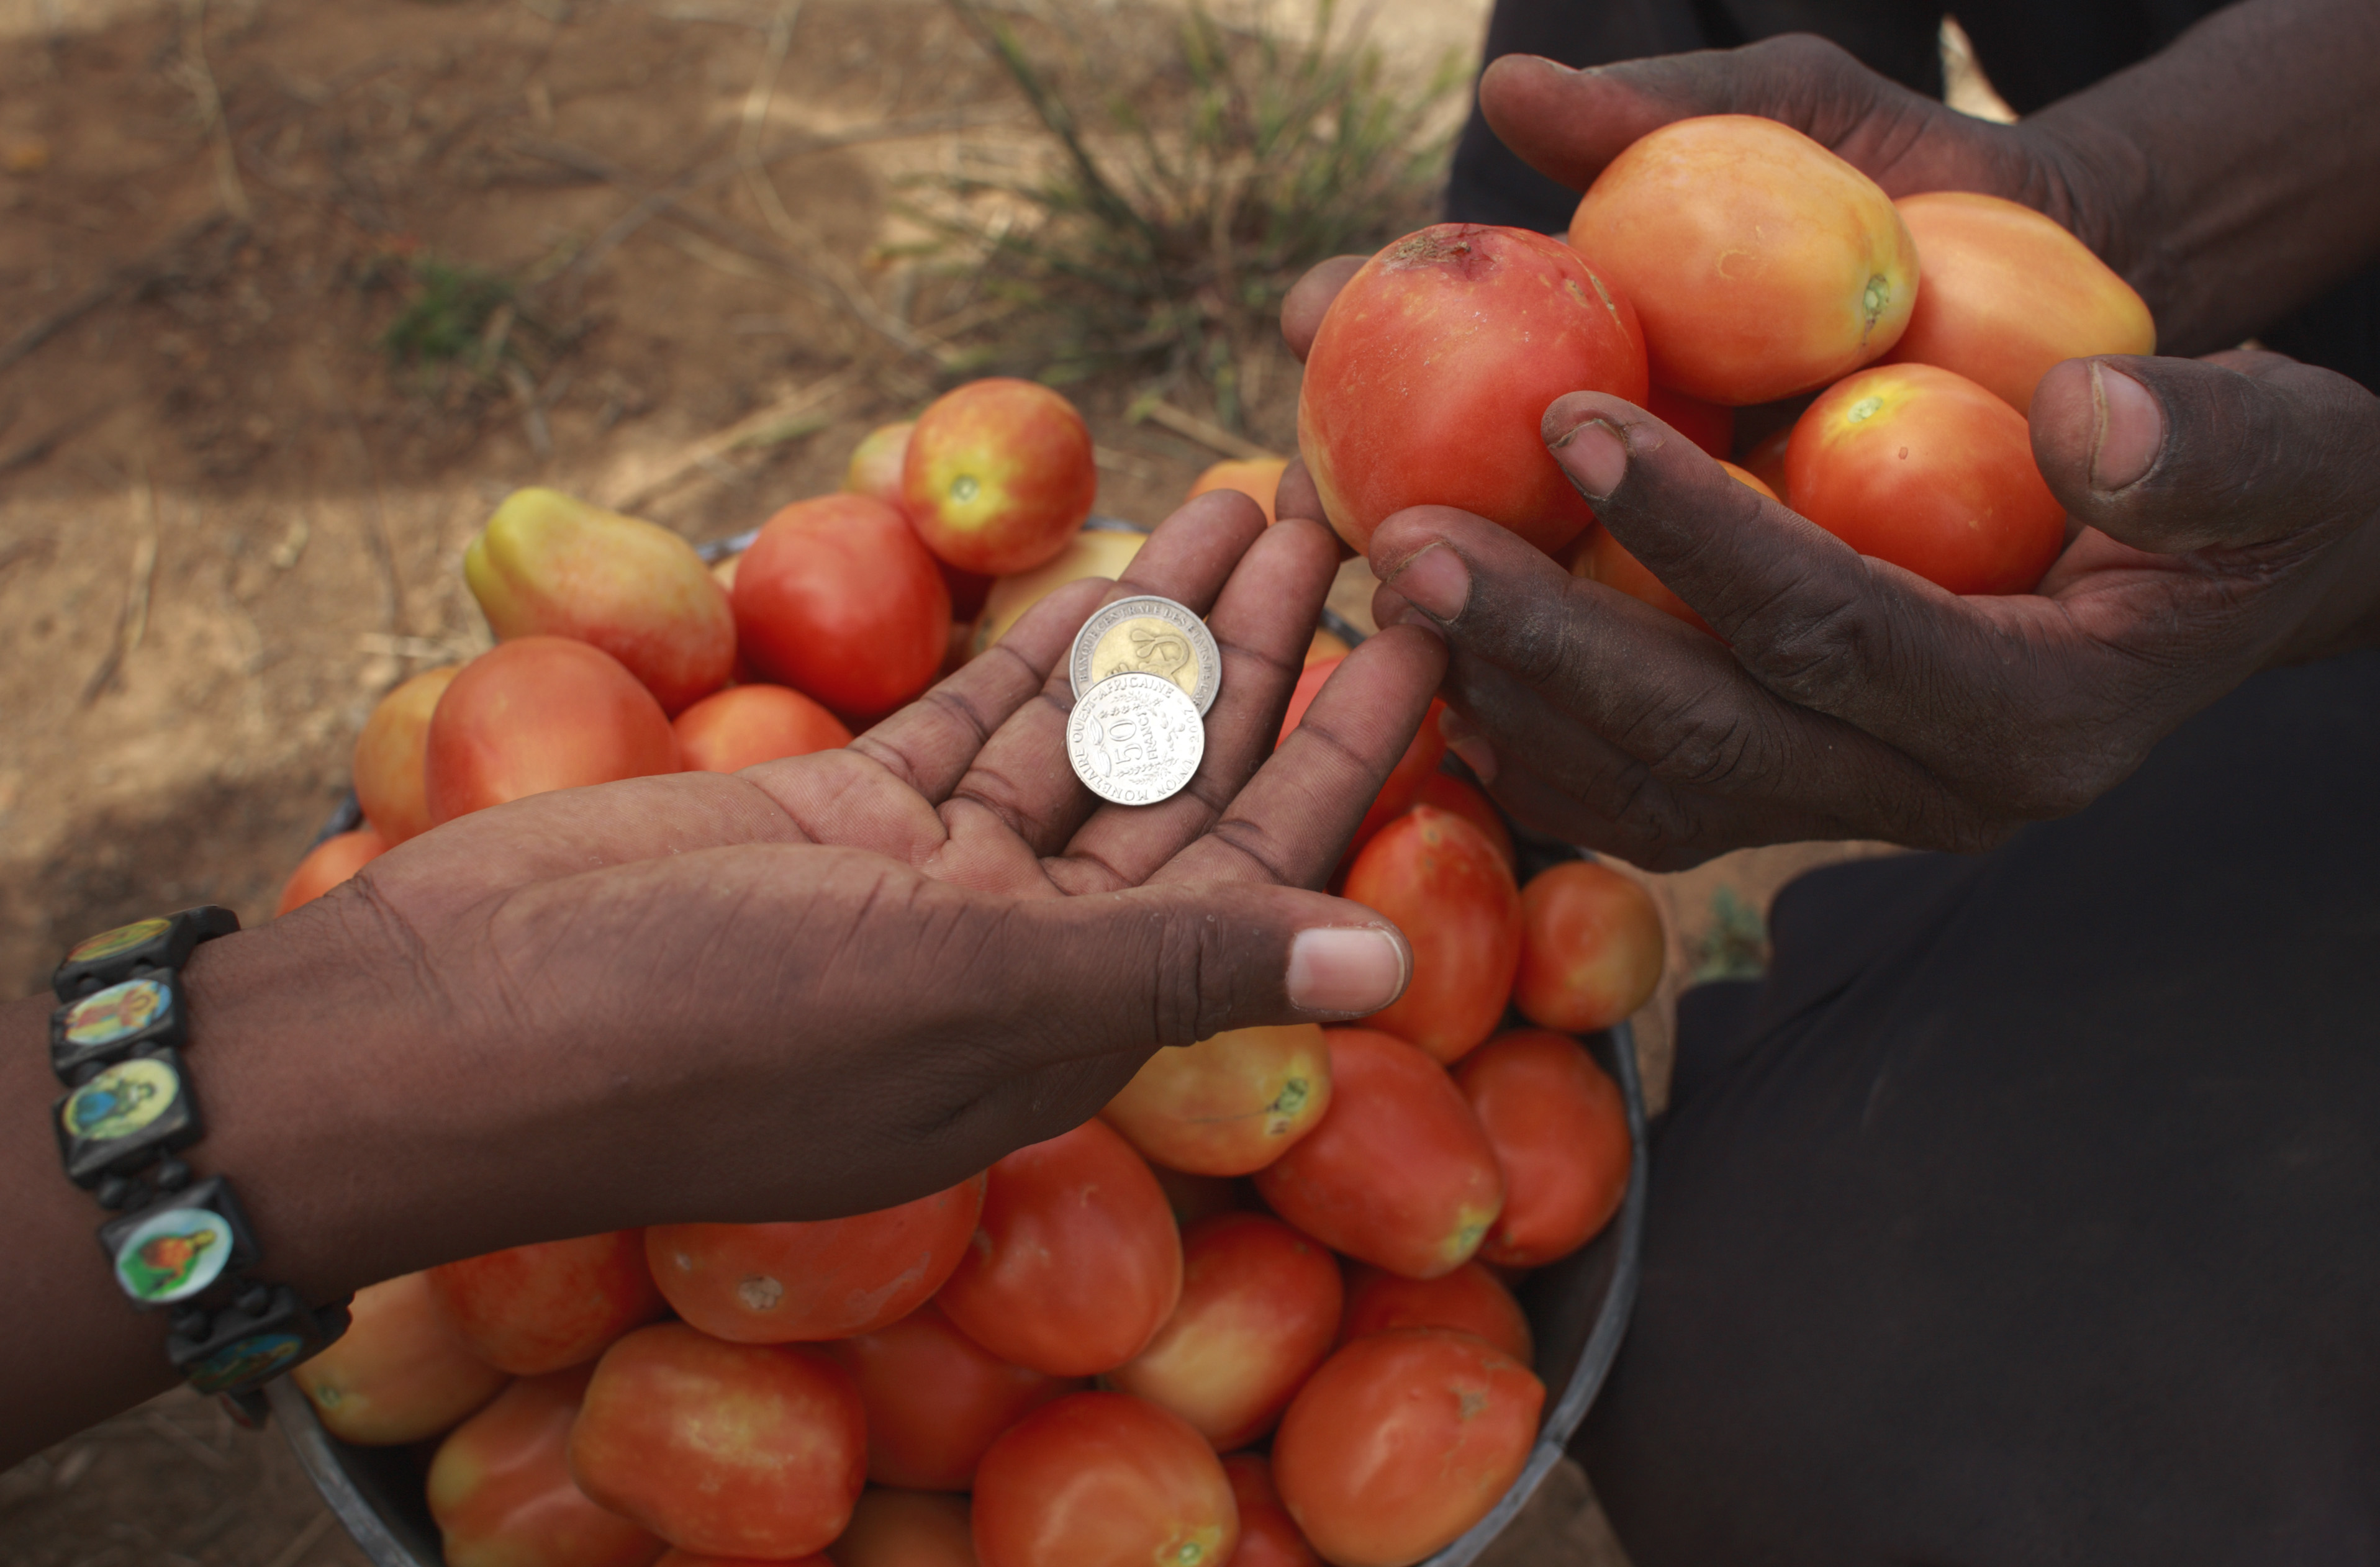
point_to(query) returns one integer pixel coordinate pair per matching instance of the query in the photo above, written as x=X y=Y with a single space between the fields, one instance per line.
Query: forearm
x=2231 y=176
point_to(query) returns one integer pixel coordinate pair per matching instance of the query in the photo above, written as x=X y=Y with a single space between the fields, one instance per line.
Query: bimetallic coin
x=1136 y=739
x=1148 y=635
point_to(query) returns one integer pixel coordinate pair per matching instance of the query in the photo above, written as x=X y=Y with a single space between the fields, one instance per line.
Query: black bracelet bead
x=112 y=955
x=178 y=1248
x=125 y=1117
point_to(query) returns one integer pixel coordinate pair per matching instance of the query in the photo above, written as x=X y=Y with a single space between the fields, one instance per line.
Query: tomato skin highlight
x=896 y=1528
x=1592 y=947
x=810 y=1281
x=1260 y=1306
x=501 y=1492
x=1444 y=885
x=746 y=725
x=1401 y=1441
x=1076 y=1262
x=400 y=1373
x=1469 y=1300
x=1399 y=1175
x=937 y=1400
x=1228 y=1105
x=1102 y=1479
x=1559 y=1128
x=2009 y=293
x=1760 y=263
x=1268 y=1535
x=1922 y=468
x=728 y=1449
x=532 y=1309
x=838 y=599
x=538 y=713
x=1433 y=367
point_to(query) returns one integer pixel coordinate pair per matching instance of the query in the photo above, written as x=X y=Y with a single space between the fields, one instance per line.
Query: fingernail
x=1595 y=457
x=1355 y=969
x=1467 y=742
x=1435 y=581
x=2132 y=430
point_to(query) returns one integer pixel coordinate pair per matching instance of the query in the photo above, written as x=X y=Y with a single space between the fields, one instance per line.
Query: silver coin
x=1136 y=739
x=1148 y=635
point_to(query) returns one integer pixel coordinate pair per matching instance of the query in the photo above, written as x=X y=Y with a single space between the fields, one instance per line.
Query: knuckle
x=1814 y=643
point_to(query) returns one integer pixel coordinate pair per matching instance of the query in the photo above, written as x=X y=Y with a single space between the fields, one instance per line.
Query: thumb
x=2173 y=455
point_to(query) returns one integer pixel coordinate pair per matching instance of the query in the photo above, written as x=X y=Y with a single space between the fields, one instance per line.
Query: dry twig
x=1204 y=432
x=132 y=620
x=194 y=75
x=773 y=423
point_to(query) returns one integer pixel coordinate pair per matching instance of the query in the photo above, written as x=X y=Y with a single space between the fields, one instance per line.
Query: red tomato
x=906 y=1529
x=1103 y=1480
x=997 y=474
x=1711 y=426
x=826 y=1278
x=1400 y=1173
x=537 y=1309
x=501 y=1493
x=1924 y=469
x=837 y=597
x=1448 y=793
x=1761 y=263
x=539 y=713
x=1259 y=1309
x=1268 y=1535
x=2009 y=293
x=1075 y=1263
x=745 y=726
x=936 y=1399
x=1401 y=1441
x=1469 y=1300
x=1413 y=770
x=1442 y=882
x=1433 y=369
x=1559 y=1128
x=1230 y=1103
x=328 y=864
x=734 y=1450
x=1591 y=947
x=400 y=1373
x=1598 y=557
x=386 y=768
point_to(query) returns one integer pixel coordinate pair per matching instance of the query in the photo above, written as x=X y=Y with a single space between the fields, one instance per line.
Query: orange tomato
x=1760 y=263
x=1711 y=426
x=1469 y=1300
x=746 y=725
x=824 y=1279
x=1559 y=1128
x=1103 y=1480
x=386 y=769
x=1229 y=1104
x=1598 y=557
x=1259 y=1309
x=1256 y=478
x=936 y=1400
x=1268 y=1535
x=875 y=468
x=1401 y=1441
x=892 y=1528
x=729 y=1449
x=997 y=474
x=539 y=713
x=1448 y=793
x=838 y=599
x=500 y=1491
x=537 y=1309
x=1443 y=883
x=1922 y=468
x=400 y=1373
x=1399 y=1175
x=1075 y=1263
x=1591 y=947
x=2009 y=293
x=327 y=864
x=1433 y=367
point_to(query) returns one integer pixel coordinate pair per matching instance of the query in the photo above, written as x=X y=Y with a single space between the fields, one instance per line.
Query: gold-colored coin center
x=1147 y=645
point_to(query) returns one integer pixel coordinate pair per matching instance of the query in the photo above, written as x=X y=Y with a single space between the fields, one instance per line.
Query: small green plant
x=1178 y=205
x=455 y=315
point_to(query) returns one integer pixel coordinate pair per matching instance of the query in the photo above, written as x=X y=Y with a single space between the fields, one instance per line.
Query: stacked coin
x=1145 y=671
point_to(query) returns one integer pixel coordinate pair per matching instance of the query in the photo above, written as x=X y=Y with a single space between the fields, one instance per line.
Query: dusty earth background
x=228 y=522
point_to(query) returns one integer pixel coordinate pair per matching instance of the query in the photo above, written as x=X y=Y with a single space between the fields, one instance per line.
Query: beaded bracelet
x=181 y=1243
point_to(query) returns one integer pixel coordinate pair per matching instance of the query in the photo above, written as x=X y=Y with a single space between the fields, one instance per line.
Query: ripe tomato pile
x=1721 y=263
x=1260 y=1311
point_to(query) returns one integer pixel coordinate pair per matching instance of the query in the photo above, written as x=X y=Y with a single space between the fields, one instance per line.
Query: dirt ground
x=228 y=522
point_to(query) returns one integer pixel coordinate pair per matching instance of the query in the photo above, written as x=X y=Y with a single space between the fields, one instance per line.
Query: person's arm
x=820 y=986
x=2229 y=177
